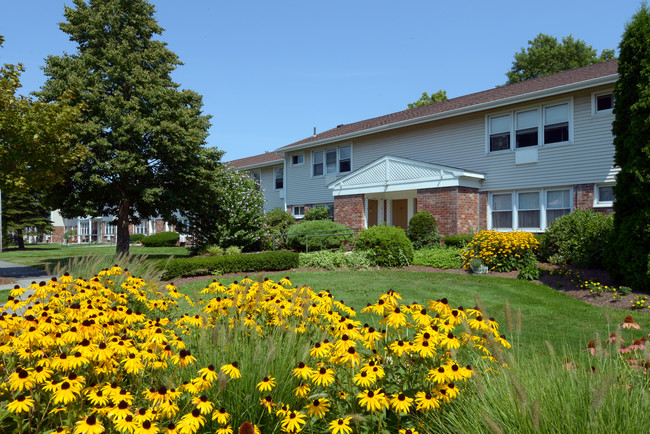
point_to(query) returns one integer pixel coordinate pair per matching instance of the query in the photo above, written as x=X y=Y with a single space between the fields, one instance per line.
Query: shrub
x=318 y=213
x=389 y=246
x=264 y=261
x=579 y=238
x=423 y=230
x=322 y=234
x=332 y=260
x=501 y=251
x=439 y=257
x=277 y=221
x=161 y=239
x=458 y=240
x=133 y=238
x=214 y=251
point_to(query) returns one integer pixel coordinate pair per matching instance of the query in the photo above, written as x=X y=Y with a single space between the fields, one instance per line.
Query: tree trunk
x=21 y=239
x=123 y=240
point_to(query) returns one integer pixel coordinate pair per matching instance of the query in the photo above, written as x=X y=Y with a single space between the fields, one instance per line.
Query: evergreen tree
x=629 y=258
x=144 y=134
x=24 y=214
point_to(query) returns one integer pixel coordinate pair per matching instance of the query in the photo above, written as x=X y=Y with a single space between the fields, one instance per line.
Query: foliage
x=134 y=238
x=161 y=239
x=579 y=238
x=629 y=259
x=36 y=142
x=24 y=214
x=332 y=260
x=502 y=251
x=530 y=272
x=440 y=256
x=277 y=221
x=230 y=213
x=546 y=56
x=458 y=240
x=427 y=99
x=317 y=213
x=145 y=137
x=324 y=234
x=203 y=265
x=423 y=230
x=640 y=302
x=389 y=245
x=227 y=362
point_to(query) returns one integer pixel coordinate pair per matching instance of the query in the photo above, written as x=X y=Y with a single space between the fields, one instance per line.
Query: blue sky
x=270 y=72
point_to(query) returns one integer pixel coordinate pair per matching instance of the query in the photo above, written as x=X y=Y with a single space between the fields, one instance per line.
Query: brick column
x=467 y=210
x=350 y=211
x=456 y=209
x=583 y=196
x=482 y=210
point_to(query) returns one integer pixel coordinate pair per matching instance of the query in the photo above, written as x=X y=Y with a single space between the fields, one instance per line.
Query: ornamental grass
x=501 y=251
x=115 y=353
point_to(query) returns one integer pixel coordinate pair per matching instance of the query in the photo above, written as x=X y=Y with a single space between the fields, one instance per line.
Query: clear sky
x=271 y=71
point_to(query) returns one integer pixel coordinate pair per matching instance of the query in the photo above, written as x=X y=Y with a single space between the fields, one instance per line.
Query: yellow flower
x=293 y=422
x=323 y=377
x=401 y=403
x=231 y=370
x=340 y=426
x=318 y=407
x=21 y=404
x=266 y=385
x=89 y=425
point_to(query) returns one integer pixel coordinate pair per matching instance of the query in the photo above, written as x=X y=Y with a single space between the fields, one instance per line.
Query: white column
x=79 y=230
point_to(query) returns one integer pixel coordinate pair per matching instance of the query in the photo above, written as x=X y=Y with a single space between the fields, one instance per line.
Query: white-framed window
x=298 y=211
x=502 y=211
x=530 y=127
x=257 y=176
x=602 y=103
x=278 y=178
x=332 y=161
x=329 y=206
x=84 y=228
x=558 y=203
x=604 y=195
x=297 y=159
x=528 y=210
x=140 y=228
x=109 y=228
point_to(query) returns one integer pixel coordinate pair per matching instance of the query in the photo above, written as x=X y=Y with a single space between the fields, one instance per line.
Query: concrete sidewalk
x=24 y=275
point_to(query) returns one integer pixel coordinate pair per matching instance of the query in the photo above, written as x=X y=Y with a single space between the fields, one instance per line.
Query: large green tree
x=427 y=99
x=23 y=213
x=630 y=253
x=145 y=135
x=545 y=55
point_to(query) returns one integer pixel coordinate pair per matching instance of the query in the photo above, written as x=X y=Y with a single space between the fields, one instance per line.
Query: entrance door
x=400 y=213
x=372 y=212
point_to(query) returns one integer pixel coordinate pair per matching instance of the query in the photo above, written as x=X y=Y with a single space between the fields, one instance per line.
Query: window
x=528 y=211
x=140 y=228
x=298 y=159
x=556 y=123
x=337 y=160
x=109 y=228
x=526 y=133
x=298 y=210
x=502 y=211
x=604 y=195
x=604 y=103
x=278 y=174
x=345 y=158
x=84 y=228
x=317 y=158
x=257 y=176
x=558 y=203
x=500 y=133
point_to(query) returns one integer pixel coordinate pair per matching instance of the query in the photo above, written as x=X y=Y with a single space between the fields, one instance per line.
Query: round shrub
x=389 y=245
x=134 y=238
x=161 y=239
x=318 y=213
x=423 y=230
x=501 y=251
x=580 y=238
x=318 y=233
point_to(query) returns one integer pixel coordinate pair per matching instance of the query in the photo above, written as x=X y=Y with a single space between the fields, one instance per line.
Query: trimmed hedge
x=458 y=240
x=161 y=239
x=134 y=238
x=204 y=265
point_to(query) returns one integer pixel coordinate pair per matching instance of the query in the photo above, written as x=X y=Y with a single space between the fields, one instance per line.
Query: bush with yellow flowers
x=116 y=354
x=502 y=251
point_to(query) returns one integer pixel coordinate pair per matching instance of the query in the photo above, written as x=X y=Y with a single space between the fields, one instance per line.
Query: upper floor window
x=603 y=103
x=297 y=159
x=499 y=133
x=556 y=124
x=278 y=175
x=332 y=161
x=526 y=132
x=257 y=176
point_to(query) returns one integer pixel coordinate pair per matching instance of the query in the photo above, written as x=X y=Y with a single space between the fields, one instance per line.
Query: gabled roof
x=391 y=173
x=261 y=160
x=593 y=75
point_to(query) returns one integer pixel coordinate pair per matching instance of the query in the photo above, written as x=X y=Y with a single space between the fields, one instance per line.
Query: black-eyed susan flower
x=266 y=385
x=425 y=401
x=303 y=371
x=267 y=402
x=147 y=427
x=126 y=425
x=401 y=403
x=121 y=410
x=293 y=421
x=302 y=391
x=371 y=400
x=21 y=380
x=340 y=426
x=65 y=394
x=209 y=373
x=203 y=404
x=225 y=430
x=408 y=431
x=221 y=416
x=231 y=370
x=89 y=425
x=323 y=376
x=364 y=379
x=21 y=404
x=318 y=407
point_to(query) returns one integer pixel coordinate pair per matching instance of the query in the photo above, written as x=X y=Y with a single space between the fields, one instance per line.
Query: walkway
x=24 y=275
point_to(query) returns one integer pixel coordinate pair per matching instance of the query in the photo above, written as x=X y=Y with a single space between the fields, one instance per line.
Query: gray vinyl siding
x=272 y=196
x=461 y=142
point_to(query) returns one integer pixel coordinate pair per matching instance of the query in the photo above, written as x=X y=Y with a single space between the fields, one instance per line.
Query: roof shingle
x=256 y=160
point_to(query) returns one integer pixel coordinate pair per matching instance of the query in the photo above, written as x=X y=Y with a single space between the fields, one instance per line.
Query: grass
x=545 y=314
x=48 y=256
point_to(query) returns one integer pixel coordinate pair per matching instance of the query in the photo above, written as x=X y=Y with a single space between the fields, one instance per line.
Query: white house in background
x=514 y=157
x=268 y=170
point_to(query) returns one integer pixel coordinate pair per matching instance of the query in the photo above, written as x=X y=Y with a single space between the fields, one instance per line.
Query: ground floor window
x=298 y=211
x=140 y=228
x=529 y=210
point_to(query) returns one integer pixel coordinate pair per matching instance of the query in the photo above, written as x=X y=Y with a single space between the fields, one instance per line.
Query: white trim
x=275 y=178
x=258 y=165
x=298 y=216
x=337 y=172
x=298 y=154
x=594 y=103
x=597 y=202
x=514 y=198
x=609 y=79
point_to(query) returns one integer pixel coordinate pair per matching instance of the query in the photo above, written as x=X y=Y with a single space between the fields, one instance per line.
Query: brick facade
x=583 y=198
x=350 y=211
x=456 y=209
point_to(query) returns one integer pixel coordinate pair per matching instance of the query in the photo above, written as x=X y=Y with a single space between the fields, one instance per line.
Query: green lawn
x=47 y=256
x=546 y=314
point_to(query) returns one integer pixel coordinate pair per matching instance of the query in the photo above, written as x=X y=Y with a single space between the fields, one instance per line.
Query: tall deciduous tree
x=24 y=214
x=545 y=55
x=630 y=254
x=145 y=135
x=427 y=99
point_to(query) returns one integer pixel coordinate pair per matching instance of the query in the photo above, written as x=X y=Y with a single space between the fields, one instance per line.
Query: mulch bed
x=563 y=283
x=6 y=281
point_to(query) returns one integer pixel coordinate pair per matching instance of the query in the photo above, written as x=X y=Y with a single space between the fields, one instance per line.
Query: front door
x=372 y=212
x=400 y=213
